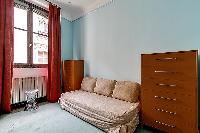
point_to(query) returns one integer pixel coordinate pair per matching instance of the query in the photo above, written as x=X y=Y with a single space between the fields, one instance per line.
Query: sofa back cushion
x=127 y=91
x=88 y=84
x=104 y=86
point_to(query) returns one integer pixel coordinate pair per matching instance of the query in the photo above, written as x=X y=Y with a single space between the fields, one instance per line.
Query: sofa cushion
x=104 y=86
x=127 y=91
x=88 y=84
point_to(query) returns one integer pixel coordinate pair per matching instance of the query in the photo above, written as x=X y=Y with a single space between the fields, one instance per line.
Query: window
x=20 y=36
x=30 y=36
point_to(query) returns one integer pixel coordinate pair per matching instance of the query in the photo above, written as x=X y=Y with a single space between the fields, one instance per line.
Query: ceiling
x=74 y=9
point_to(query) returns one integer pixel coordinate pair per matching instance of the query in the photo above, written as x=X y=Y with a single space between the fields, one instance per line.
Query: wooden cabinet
x=72 y=74
x=169 y=94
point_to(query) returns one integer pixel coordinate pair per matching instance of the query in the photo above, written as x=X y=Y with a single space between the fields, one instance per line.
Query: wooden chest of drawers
x=72 y=74
x=169 y=94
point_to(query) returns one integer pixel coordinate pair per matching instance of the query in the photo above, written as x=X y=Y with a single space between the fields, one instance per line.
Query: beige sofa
x=110 y=105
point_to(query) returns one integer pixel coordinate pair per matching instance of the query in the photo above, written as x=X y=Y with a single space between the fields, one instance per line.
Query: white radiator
x=20 y=85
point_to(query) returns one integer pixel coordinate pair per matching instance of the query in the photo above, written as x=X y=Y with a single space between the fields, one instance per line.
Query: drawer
x=176 y=87
x=166 y=127
x=171 y=117
x=149 y=119
x=168 y=122
x=172 y=107
x=166 y=72
x=170 y=59
x=180 y=95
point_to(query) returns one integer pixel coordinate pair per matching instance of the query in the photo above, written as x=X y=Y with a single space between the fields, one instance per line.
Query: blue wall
x=111 y=39
x=66 y=39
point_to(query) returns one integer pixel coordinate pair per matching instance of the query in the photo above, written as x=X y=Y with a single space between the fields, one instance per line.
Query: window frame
x=30 y=33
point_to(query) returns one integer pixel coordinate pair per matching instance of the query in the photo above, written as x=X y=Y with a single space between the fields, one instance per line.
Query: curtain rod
x=52 y=3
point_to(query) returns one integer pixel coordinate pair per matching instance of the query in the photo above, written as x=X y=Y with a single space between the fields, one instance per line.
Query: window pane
x=20 y=18
x=20 y=46
x=40 y=49
x=40 y=24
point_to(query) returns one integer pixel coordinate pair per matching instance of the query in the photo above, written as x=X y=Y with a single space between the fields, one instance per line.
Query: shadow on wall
x=199 y=89
x=86 y=69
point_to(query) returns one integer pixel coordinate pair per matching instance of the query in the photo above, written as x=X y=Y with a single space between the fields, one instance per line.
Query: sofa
x=110 y=105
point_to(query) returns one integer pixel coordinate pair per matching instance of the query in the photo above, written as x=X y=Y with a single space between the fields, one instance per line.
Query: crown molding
x=65 y=14
x=73 y=12
x=98 y=4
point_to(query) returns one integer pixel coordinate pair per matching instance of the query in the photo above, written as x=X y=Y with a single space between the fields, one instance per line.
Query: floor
x=49 y=118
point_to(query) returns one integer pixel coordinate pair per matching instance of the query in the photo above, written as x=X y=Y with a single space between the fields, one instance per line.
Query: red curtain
x=54 y=57
x=6 y=52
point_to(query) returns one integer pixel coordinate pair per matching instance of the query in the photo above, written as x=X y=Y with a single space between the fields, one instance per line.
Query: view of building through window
x=40 y=39
x=26 y=40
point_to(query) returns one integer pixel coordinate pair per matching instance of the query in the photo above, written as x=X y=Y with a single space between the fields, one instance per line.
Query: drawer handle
x=167 y=59
x=171 y=85
x=162 y=110
x=162 y=123
x=166 y=98
x=162 y=71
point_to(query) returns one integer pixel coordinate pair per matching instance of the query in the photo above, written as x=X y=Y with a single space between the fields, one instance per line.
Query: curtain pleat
x=6 y=53
x=54 y=57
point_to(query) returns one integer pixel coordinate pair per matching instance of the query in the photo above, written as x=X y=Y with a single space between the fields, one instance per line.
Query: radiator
x=20 y=85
